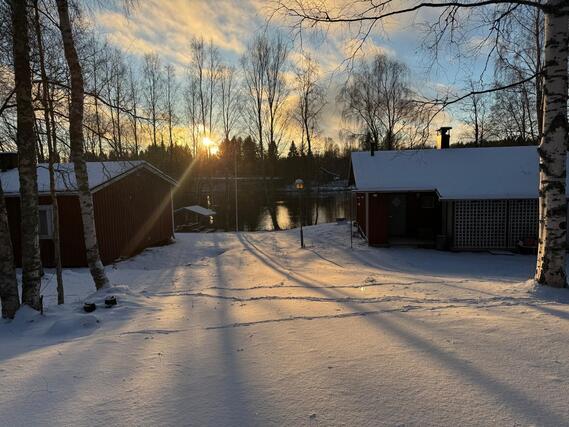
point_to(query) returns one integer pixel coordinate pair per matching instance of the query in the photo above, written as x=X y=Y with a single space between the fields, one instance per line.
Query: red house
x=132 y=202
x=457 y=198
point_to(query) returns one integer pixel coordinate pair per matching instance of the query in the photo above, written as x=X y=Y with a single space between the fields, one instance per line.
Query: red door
x=378 y=219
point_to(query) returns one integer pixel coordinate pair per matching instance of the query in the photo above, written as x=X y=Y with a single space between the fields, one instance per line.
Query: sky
x=168 y=26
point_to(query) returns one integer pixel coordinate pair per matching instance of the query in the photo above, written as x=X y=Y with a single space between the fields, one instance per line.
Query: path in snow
x=225 y=329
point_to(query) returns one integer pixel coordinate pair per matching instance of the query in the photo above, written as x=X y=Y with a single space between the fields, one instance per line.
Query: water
x=254 y=215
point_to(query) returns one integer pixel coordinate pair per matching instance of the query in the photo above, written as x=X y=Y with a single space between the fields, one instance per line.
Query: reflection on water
x=254 y=215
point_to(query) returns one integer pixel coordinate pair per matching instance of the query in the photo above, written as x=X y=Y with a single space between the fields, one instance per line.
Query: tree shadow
x=510 y=397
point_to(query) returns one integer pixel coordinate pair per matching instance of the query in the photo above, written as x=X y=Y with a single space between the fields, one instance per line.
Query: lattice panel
x=480 y=224
x=523 y=219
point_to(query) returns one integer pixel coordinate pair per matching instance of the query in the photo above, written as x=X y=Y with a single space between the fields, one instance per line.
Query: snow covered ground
x=249 y=329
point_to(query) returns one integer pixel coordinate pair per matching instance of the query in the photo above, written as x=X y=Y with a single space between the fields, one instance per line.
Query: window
x=45 y=221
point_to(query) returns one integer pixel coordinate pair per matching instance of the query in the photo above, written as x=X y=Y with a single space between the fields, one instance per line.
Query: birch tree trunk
x=553 y=150
x=52 y=155
x=27 y=163
x=77 y=149
x=9 y=298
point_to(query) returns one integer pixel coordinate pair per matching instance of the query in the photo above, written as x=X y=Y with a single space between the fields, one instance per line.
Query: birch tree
x=77 y=147
x=229 y=100
x=377 y=97
x=170 y=101
x=311 y=99
x=256 y=63
x=153 y=91
x=52 y=152
x=550 y=267
x=27 y=164
x=552 y=253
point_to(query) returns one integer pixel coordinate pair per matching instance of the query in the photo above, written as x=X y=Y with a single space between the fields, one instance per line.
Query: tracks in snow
x=358 y=300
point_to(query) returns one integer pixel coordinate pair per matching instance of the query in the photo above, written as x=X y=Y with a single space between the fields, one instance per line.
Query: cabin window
x=45 y=221
x=427 y=201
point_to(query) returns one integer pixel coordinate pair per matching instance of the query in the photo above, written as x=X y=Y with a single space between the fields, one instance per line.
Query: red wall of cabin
x=131 y=214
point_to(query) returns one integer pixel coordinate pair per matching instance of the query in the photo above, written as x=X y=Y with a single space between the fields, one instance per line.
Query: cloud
x=167 y=27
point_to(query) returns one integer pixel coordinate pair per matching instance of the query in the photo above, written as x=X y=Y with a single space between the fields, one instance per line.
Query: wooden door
x=378 y=219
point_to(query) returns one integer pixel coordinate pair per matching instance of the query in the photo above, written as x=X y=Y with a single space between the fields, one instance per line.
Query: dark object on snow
x=110 y=301
x=89 y=307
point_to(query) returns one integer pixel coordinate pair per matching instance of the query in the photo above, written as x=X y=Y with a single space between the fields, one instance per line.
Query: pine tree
x=292 y=152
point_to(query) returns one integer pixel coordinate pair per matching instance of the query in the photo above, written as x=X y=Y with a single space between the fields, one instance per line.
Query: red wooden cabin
x=132 y=202
x=458 y=198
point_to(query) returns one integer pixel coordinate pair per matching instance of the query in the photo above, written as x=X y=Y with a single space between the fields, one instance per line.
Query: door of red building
x=378 y=215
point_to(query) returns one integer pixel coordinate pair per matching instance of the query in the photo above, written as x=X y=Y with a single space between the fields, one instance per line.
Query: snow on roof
x=99 y=174
x=200 y=210
x=455 y=173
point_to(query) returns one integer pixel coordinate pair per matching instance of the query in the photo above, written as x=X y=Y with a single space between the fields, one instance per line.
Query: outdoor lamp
x=299 y=184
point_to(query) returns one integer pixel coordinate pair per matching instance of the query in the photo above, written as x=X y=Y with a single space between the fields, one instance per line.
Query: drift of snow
x=248 y=329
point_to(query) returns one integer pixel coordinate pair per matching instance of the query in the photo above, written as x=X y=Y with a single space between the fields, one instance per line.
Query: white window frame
x=48 y=209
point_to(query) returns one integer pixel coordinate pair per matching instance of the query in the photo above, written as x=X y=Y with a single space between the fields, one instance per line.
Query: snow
x=227 y=329
x=200 y=210
x=461 y=173
x=99 y=173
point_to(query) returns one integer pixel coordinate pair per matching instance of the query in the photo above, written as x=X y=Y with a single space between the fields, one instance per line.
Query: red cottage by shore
x=132 y=202
x=454 y=198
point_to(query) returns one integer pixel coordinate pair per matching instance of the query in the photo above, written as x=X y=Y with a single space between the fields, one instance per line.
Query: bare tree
x=213 y=75
x=153 y=91
x=77 y=147
x=520 y=50
x=229 y=99
x=377 y=97
x=117 y=97
x=134 y=104
x=170 y=102
x=550 y=268
x=261 y=62
x=277 y=90
x=193 y=112
x=205 y=72
x=476 y=110
x=52 y=152
x=311 y=98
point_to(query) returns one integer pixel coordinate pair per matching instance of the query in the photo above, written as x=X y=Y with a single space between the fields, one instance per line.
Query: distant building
x=193 y=218
x=462 y=199
x=132 y=202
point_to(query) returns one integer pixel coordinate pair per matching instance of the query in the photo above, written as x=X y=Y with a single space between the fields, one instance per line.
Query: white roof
x=200 y=210
x=455 y=173
x=100 y=174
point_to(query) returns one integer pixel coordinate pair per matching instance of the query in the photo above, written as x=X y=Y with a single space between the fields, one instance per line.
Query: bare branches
x=313 y=14
x=6 y=104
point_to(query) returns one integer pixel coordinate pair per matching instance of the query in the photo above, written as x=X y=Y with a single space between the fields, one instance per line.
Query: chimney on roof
x=8 y=160
x=444 y=139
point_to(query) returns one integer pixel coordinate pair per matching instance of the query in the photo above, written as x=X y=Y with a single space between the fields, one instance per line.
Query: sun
x=210 y=146
x=207 y=141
